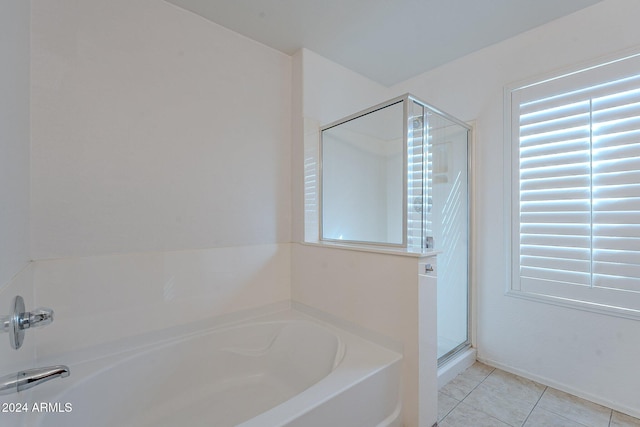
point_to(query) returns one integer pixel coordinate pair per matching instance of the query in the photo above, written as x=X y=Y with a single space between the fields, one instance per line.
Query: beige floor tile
x=486 y=397
x=478 y=371
x=506 y=397
x=445 y=405
x=464 y=383
x=621 y=420
x=542 y=418
x=575 y=408
x=466 y=416
x=518 y=387
x=459 y=387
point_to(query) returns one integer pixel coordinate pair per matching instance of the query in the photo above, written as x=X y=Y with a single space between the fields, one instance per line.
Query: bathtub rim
x=285 y=412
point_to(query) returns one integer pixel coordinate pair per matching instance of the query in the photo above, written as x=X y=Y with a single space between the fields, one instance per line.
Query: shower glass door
x=448 y=220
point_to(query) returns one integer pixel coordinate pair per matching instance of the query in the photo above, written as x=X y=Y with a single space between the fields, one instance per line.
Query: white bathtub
x=283 y=369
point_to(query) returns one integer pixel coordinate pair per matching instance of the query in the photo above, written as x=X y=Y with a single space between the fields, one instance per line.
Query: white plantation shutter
x=576 y=186
x=616 y=187
x=554 y=193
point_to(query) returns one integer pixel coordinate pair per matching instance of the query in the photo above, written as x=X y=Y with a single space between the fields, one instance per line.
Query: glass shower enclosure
x=449 y=222
x=397 y=175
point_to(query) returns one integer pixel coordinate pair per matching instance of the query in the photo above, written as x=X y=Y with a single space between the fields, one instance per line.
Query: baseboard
x=634 y=412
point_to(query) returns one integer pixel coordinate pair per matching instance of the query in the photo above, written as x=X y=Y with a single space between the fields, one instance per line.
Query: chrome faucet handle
x=20 y=319
x=37 y=318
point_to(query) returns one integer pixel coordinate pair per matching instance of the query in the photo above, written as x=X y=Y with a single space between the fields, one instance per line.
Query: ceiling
x=388 y=41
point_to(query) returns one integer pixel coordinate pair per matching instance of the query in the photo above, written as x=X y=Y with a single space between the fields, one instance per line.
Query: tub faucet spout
x=24 y=380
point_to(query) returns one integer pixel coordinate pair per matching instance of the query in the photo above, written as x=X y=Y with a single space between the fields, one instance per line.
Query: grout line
x=466 y=395
x=483 y=380
x=452 y=409
x=478 y=409
x=535 y=405
x=546 y=388
x=560 y=414
x=476 y=386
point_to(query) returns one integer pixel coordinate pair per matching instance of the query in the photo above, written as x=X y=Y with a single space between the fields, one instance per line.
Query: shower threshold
x=454 y=363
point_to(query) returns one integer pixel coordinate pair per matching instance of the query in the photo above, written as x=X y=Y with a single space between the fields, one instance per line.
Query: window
x=575 y=188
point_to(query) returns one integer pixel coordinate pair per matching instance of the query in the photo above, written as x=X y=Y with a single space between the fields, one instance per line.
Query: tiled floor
x=486 y=397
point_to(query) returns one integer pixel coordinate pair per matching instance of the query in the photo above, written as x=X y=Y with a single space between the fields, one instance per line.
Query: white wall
x=323 y=92
x=161 y=152
x=154 y=129
x=591 y=355
x=102 y=299
x=14 y=138
x=15 y=274
x=331 y=92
